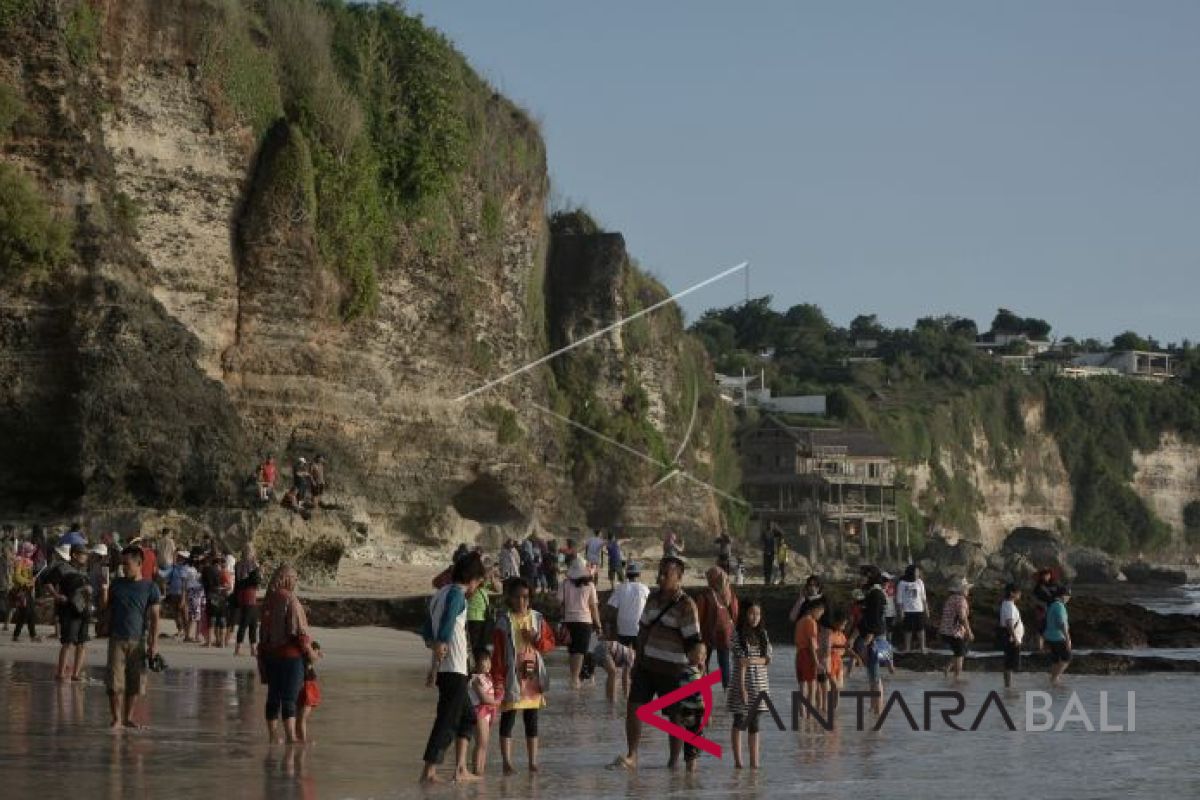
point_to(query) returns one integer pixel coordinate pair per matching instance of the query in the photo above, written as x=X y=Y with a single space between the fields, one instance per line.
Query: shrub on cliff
x=32 y=237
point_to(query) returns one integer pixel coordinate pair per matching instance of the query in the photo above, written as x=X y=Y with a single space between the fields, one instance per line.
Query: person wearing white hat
x=955 y=627
x=581 y=613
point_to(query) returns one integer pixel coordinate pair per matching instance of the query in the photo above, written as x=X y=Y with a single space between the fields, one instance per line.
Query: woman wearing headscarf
x=246 y=580
x=283 y=650
x=718 y=609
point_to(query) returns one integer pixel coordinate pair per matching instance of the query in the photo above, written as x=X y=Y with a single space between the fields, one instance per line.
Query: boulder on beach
x=1141 y=572
x=1042 y=547
x=1092 y=565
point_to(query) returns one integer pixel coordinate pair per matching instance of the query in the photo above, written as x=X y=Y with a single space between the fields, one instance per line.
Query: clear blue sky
x=897 y=158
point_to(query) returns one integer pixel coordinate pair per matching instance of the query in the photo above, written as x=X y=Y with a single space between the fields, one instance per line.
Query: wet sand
x=344 y=648
x=205 y=738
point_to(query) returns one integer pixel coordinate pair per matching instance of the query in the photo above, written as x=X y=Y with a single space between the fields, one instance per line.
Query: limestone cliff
x=299 y=229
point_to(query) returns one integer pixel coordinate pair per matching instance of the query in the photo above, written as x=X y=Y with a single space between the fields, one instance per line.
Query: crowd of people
x=119 y=591
x=650 y=642
x=309 y=483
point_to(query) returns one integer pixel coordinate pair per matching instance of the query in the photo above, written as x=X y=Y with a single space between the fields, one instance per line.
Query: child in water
x=485 y=700
x=688 y=713
x=310 y=696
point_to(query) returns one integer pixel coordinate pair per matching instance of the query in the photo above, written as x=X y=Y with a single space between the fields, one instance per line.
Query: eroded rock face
x=200 y=331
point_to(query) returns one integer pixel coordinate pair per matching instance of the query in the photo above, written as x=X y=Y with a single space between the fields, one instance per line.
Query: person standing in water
x=521 y=637
x=751 y=657
x=1058 y=635
x=284 y=649
x=1011 y=631
x=132 y=637
x=581 y=614
x=910 y=593
x=955 y=627
x=668 y=642
x=718 y=609
x=447 y=634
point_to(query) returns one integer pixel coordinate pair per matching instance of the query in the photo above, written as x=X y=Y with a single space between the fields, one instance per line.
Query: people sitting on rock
x=267 y=473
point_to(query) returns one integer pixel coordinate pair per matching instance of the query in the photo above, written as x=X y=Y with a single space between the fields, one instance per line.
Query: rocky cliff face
x=200 y=323
x=1168 y=479
x=1037 y=492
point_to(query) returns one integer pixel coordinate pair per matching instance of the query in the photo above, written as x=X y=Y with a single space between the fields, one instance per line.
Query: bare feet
x=624 y=762
x=115 y=726
x=509 y=769
x=462 y=775
x=533 y=768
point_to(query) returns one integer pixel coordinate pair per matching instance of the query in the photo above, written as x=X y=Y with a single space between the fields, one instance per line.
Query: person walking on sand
x=1058 y=635
x=782 y=555
x=1045 y=589
x=910 y=592
x=955 y=627
x=751 y=657
x=75 y=606
x=581 y=614
x=1011 y=631
x=133 y=605
x=22 y=592
x=284 y=648
x=717 y=606
x=521 y=636
x=446 y=630
x=668 y=641
x=616 y=560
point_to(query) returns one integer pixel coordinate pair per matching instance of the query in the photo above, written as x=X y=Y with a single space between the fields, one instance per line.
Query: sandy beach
x=344 y=648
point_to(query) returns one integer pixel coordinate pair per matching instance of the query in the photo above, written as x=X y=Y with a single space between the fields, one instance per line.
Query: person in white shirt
x=914 y=605
x=626 y=604
x=1012 y=631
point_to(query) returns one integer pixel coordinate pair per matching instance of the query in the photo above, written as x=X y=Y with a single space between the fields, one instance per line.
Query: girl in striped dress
x=751 y=654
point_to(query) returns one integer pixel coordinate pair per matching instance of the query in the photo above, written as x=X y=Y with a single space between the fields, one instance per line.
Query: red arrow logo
x=703 y=687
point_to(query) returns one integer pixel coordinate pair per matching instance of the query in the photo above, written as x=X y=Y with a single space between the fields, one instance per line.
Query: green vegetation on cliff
x=397 y=124
x=33 y=238
x=930 y=393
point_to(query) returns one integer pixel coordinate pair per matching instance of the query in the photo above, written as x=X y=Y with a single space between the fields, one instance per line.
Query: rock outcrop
x=201 y=322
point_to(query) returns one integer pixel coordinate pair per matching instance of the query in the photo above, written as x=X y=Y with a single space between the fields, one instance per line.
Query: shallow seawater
x=1183 y=599
x=206 y=739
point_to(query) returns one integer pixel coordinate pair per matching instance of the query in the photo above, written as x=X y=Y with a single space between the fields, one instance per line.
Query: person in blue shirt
x=133 y=636
x=1058 y=635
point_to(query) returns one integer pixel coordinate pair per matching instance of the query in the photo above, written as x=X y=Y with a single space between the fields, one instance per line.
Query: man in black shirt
x=870 y=629
x=68 y=581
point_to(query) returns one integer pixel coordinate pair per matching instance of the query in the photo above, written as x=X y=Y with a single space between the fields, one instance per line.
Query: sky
x=903 y=159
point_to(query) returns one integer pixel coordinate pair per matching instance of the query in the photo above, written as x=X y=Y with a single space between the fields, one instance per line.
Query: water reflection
x=206 y=738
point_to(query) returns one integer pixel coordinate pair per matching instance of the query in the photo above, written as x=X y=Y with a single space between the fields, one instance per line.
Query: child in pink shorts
x=485 y=699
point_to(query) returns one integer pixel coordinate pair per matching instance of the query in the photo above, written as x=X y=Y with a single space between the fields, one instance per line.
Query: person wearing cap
x=132 y=636
x=73 y=537
x=98 y=576
x=625 y=606
x=668 y=644
x=68 y=582
x=955 y=627
x=1011 y=631
x=581 y=613
x=1058 y=634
